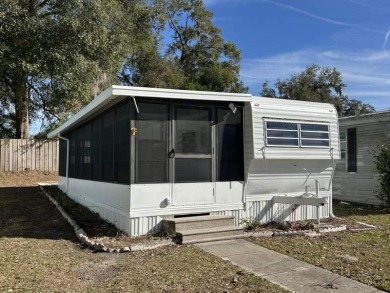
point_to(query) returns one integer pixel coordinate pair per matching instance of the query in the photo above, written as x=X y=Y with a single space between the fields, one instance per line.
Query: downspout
x=67 y=161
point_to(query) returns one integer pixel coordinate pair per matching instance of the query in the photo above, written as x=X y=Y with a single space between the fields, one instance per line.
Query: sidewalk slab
x=292 y=274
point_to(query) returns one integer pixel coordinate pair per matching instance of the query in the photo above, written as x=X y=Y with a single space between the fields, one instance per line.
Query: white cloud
x=366 y=73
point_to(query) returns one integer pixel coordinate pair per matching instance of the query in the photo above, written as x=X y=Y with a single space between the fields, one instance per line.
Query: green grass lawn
x=372 y=248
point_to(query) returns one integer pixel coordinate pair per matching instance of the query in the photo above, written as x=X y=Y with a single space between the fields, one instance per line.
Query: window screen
x=282 y=134
x=86 y=151
x=351 y=150
x=107 y=147
x=193 y=130
x=152 y=143
x=314 y=135
x=122 y=143
x=95 y=150
x=78 y=152
x=291 y=134
x=63 y=156
x=193 y=161
x=230 y=154
x=72 y=154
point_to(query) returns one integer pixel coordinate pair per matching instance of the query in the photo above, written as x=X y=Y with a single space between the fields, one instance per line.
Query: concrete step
x=198 y=222
x=209 y=234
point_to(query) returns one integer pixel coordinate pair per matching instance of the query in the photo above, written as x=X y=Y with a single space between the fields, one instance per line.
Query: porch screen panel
x=152 y=143
x=95 y=150
x=86 y=152
x=72 y=154
x=230 y=153
x=79 y=152
x=193 y=145
x=122 y=143
x=62 y=159
x=107 y=147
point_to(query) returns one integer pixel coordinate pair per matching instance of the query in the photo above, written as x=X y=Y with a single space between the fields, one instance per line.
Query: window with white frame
x=296 y=134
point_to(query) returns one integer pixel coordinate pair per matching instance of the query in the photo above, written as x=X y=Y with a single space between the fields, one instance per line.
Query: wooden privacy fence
x=28 y=154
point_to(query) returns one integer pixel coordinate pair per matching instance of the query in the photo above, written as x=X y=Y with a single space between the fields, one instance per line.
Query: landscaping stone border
x=96 y=246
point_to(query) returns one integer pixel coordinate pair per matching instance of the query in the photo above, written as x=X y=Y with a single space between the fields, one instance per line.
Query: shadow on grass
x=90 y=221
x=26 y=213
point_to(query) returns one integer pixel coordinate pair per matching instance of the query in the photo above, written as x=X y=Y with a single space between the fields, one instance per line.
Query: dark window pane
x=79 y=153
x=320 y=143
x=281 y=133
x=282 y=142
x=229 y=145
x=72 y=155
x=314 y=127
x=351 y=150
x=107 y=148
x=152 y=143
x=62 y=157
x=86 y=153
x=282 y=125
x=192 y=170
x=122 y=143
x=323 y=135
x=193 y=130
x=95 y=155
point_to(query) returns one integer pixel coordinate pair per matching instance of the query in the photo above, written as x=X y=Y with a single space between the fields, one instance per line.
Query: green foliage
x=195 y=56
x=382 y=164
x=56 y=54
x=267 y=91
x=250 y=223
x=351 y=105
x=317 y=84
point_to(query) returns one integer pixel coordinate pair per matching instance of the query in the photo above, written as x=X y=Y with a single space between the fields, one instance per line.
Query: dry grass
x=26 y=178
x=39 y=253
x=370 y=247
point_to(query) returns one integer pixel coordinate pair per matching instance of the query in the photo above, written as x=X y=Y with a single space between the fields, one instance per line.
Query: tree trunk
x=21 y=107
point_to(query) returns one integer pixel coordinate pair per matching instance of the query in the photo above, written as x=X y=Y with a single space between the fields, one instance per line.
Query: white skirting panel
x=112 y=215
x=144 y=225
x=265 y=211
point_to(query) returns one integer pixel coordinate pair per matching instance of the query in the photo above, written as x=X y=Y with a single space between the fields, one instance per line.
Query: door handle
x=171 y=154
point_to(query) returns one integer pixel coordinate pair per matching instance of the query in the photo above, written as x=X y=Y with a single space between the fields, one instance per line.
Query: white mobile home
x=140 y=155
x=355 y=177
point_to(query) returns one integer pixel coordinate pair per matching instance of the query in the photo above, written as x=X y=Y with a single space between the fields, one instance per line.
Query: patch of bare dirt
x=26 y=178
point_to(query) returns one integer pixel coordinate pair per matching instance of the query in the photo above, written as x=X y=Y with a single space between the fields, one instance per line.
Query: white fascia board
x=286 y=103
x=179 y=94
x=124 y=91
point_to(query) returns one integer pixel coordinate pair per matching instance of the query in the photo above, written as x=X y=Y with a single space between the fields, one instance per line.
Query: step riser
x=204 y=224
x=199 y=237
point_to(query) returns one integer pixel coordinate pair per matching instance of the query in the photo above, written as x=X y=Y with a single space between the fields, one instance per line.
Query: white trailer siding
x=360 y=186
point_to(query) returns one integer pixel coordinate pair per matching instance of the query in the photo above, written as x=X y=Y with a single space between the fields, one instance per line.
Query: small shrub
x=382 y=164
x=250 y=223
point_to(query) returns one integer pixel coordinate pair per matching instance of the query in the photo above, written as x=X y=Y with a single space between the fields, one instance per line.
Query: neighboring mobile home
x=139 y=155
x=356 y=179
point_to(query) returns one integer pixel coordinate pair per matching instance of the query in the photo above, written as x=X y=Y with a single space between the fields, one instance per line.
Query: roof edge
x=115 y=91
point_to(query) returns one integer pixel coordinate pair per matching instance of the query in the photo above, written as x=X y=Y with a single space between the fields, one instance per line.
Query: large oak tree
x=55 y=54
x=189 y=53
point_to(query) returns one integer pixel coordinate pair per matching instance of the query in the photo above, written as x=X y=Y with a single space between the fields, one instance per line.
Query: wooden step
x=197 y=222
x=209 y=234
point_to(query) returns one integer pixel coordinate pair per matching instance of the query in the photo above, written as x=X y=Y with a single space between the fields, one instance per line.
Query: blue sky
x=281 y=37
